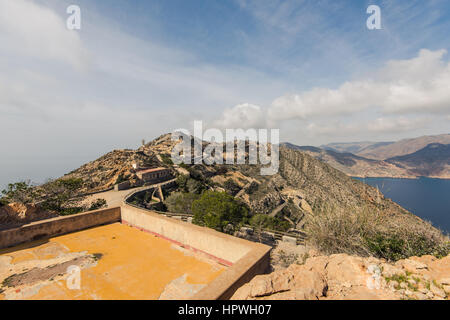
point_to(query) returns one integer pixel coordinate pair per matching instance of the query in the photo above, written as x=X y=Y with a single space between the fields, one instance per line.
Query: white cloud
x=243 y=116
x=38 y=32
x=418 y=85
x=403 y=96
x=348 y=98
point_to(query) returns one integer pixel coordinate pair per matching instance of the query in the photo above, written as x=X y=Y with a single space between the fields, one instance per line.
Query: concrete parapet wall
x=290 y=240
x=214 y=243
x=255 y=262
x=122 y=186
x=57 y=226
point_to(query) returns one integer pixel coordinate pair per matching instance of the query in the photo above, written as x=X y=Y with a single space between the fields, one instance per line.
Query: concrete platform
x=125 y=252
x=116 y=262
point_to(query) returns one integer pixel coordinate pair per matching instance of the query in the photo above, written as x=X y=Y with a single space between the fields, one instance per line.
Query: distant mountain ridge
x=427 y=156
x=386 y=150
x=431 y=161
x=355 y=147
x=353 y=165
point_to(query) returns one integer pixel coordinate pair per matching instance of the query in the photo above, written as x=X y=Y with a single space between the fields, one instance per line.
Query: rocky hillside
x=112 y=168
x=302 y=185
x=341 y=276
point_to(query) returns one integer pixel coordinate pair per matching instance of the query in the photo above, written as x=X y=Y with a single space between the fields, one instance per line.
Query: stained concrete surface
x=116 y=262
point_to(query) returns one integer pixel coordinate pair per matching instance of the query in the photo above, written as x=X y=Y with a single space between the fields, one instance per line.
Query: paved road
x=115 y=198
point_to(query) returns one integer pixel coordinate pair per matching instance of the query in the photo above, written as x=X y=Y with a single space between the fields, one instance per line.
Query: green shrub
x=187 y=184
x=264 y=221
x=184 y=166
x=70 y=211
x=182 y=182
x=196 y=174
x=3 y=202
x=120 y=178
x=98 y=204
x=22 y=192
x=166 y=159
x=218 y=209
x=180 y=202
x=232 y=187
x=253 y=187
x=405 y=243
x=194 y=186
x=61 y=195
x=389 y=247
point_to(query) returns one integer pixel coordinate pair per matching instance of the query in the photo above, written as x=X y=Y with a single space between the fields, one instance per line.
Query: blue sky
x=138 y=69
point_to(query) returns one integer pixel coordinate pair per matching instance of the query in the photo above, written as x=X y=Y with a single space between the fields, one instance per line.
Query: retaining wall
x=214 y=243
x=57 y=226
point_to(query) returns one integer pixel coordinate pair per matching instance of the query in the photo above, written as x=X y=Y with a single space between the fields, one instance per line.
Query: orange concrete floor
x=128 y=264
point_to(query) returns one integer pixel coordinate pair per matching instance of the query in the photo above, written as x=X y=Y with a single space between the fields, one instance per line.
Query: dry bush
x=369 y=232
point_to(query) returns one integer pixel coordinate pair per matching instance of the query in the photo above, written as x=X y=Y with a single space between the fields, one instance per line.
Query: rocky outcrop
x=341 y=276
x=113 y=168
x=16 y=214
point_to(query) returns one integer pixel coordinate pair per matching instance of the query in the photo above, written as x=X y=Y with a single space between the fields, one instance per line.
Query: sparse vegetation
x=367 y=232
x=166 y=159
x=22 y=192
x=121 y=178
x=98 y=204
x=252 y=187
x=286 y=259
x=232 y=187
x=61 y=196
x=3 y=202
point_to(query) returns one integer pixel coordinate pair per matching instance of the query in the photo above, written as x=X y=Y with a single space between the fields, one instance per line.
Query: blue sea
x=425 y=197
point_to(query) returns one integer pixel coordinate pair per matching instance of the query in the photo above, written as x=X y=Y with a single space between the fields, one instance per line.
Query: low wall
x=122 y=186
x=57 y=226
x=257 y=261
x=217 y=244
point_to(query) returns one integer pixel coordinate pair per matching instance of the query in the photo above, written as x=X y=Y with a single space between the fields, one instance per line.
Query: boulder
x=344 y=268
x=412 y=266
